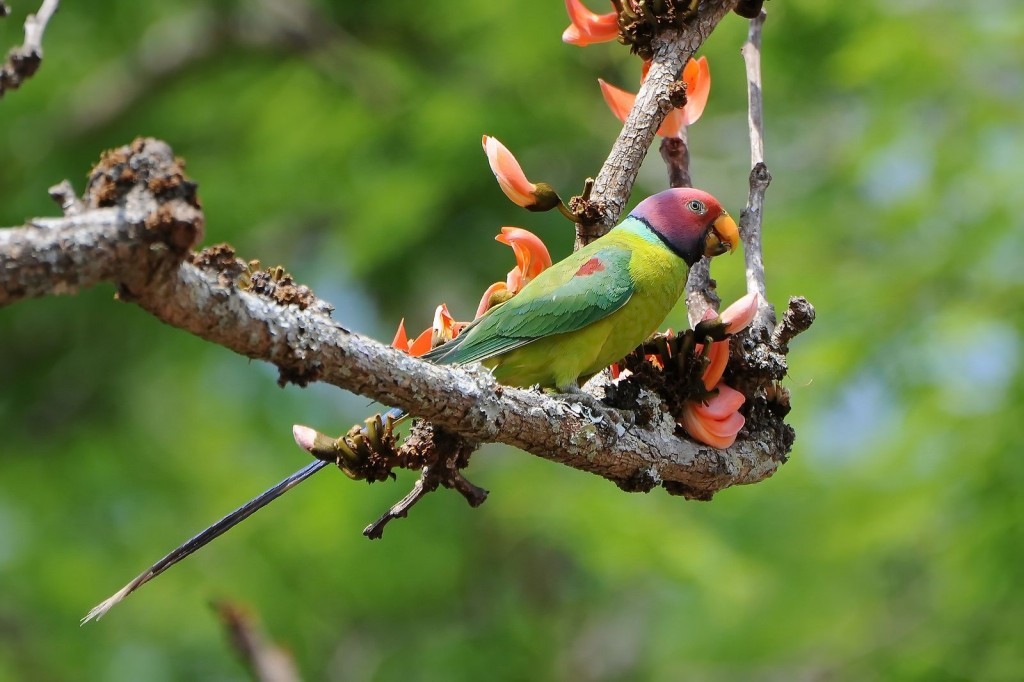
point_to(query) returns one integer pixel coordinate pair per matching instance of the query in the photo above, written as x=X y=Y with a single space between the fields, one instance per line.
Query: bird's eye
x=696 y=206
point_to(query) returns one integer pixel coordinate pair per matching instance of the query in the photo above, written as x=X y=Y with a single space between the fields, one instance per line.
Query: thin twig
x=22 y=62
x=797 y=319
x=64 y=194
x=676 y=154
x=474 y=494
x=426 y=483
x=452 y=454
x=700 y=288
x=751 y=220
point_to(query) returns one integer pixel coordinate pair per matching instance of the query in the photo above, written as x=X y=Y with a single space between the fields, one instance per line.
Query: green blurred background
x=343 y=141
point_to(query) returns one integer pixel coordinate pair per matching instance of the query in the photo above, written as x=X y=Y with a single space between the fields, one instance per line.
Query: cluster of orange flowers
x=717 y=421
x=714 y=422
x=532 y=258
x=588 y=27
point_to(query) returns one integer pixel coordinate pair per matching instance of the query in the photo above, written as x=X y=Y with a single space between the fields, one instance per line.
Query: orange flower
x=588 y=27
x=532 y=258
x=493 y=295
x=717 y=421
x=444 y=329
x=698 y=85
x=533 y=196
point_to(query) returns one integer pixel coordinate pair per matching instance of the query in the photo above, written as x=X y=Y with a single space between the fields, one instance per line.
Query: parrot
x=565 y=325
x=598 y=304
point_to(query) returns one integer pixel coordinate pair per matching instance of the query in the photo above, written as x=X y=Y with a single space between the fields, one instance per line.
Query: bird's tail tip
x=101 y=609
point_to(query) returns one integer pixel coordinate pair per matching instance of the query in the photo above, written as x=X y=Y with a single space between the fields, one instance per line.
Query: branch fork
x=23 y=62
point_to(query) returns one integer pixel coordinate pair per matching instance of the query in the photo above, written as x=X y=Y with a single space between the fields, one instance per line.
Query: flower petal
x=422 y=343
x=401 y=341
x=509 y=173
x=618 y=100
x=588 y=27
x=698 y=429
x=485 y=300
x=532 y=256
x=443 y=329
x=718 y=358
x=738 y=315
x=725 y=428
x=697 y=77
x=720 y=406
x=674 y=124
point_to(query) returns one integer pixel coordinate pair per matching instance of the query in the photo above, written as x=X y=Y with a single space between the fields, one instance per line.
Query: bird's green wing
x=580 y=290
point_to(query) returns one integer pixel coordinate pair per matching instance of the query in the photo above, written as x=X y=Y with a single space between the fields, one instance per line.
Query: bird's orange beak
x=723 y=236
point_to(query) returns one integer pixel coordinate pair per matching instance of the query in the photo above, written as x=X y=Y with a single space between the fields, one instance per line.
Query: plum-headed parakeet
x=594 y=307
x=572 y=320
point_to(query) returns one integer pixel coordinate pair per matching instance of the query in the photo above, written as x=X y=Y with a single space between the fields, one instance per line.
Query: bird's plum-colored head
x=690 y=222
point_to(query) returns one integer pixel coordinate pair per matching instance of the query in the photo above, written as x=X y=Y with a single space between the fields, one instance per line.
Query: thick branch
x=138 y=246
x=309 y=346
x=22 y=62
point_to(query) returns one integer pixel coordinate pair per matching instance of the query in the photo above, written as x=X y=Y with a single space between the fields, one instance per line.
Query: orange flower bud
x=509 y=173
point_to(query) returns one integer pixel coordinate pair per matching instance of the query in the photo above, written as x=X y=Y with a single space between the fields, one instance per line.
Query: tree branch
x=752 y=217
x=22 y=62
x=700 y=288
x=141 y=244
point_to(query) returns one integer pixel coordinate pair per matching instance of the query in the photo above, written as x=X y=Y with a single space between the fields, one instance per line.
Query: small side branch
x=448 y=454
x=427 y=483
x=676 y=155
x=752 y=218
x=22 y=62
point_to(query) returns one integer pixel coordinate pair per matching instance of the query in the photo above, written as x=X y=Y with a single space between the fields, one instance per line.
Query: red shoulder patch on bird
x=590 y=267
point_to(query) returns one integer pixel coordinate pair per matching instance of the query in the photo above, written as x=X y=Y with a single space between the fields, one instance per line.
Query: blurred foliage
x=342 y=140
